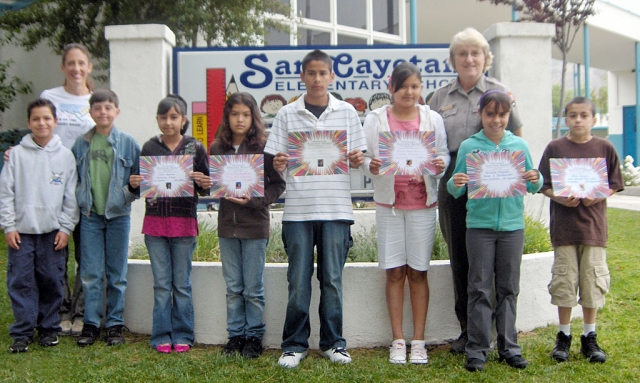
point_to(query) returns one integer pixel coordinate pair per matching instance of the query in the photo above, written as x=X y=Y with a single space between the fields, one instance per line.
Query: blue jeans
x=105 y=248
x=172 y=303
x=34 y=282
x=332 y=240
x=242 y=267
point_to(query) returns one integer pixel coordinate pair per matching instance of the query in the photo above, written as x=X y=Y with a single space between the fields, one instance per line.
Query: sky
x=632 y=5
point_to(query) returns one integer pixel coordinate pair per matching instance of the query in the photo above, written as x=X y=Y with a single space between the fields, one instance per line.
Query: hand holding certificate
x=579 y=177
x=318 y=153
x=496 y=174
x=407 y=153
x=237 y=175
x=166 y=176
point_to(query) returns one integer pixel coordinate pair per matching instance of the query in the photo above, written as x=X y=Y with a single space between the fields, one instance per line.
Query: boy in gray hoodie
x=38 y=210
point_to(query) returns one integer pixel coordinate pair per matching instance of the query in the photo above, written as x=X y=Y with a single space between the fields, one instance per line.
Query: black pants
x=452 y=213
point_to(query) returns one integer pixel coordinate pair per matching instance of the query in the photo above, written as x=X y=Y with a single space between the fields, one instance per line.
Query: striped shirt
x=316 y=198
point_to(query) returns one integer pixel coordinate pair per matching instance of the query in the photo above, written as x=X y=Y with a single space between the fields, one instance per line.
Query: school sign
x=205 y=77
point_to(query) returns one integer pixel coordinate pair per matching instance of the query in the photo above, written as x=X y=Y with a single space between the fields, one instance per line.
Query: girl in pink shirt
x=405 y=207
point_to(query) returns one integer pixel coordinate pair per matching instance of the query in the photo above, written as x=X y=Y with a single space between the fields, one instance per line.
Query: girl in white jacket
x=405 y=207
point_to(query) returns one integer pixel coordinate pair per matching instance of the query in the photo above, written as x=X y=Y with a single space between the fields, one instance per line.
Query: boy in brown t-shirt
x=578 y=230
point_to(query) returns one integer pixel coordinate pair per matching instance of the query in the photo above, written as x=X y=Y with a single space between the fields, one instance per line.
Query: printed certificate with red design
x=237 y=175
x=318 y=153
x=496 y=174
x=166 y=176
x=407 y=153
x=579 y=177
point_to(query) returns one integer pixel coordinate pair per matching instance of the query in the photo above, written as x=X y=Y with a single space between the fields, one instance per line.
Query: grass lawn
x=618 y=329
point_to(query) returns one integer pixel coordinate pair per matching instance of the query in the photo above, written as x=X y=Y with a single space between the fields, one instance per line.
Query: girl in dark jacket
x=243 y=227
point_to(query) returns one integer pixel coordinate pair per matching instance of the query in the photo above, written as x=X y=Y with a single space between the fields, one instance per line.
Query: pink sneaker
x=164 y=348
x=181 y=347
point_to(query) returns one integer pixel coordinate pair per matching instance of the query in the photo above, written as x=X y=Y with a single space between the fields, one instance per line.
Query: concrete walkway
x=629 y=199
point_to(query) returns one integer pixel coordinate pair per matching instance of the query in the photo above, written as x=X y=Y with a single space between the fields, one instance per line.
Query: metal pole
x=514 y=13
x=637 y=97
x=579 y=88
x=413 y=15
x=587 y=63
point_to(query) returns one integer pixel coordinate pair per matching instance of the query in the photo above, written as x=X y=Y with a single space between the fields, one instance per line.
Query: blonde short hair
x=470 y=36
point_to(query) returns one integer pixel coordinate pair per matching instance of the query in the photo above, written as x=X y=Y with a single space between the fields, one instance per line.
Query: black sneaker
x=235 y=345
x=89 y=335
x=590 y=348
x=474 y=364
x=561 y=351
x=516 y=361
x=458 y=345
x=252 y=348
x=20 y=345
x=114 y=335
x=48 y=338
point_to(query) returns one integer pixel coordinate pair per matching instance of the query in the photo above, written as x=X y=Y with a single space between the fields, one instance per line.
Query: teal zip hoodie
x=499 y=214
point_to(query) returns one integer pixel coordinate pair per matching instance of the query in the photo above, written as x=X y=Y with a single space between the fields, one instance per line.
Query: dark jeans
x=72 y=307
x=34 y=282
x=452 y=213
x=494 y=260
x=331 y=239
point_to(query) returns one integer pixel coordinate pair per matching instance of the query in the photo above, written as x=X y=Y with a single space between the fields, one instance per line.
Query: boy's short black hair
x=581 y=100
x=40 y=102
x=317 y=55
x=101 y=95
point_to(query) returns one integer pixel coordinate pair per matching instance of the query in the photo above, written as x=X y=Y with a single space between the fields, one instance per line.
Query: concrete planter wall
x=366 y=322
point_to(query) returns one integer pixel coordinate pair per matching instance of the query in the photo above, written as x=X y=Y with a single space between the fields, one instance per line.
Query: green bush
x=365 y=246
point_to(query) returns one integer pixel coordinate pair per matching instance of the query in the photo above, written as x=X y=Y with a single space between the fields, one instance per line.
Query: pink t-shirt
x=410 y=191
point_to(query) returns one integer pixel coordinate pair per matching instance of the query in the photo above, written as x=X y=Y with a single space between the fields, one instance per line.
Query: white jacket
x=37 y=188
x=376 y=122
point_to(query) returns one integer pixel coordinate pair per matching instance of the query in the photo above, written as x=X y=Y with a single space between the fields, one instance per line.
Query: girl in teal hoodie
x=495 y=233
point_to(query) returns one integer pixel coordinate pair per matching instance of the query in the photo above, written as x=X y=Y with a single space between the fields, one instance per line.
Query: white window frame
x=334 y=29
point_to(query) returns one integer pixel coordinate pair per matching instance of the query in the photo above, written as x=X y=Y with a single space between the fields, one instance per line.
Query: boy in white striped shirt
x=317 y=212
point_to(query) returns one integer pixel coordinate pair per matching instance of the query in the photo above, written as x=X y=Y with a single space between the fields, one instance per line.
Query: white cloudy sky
x=633 y=5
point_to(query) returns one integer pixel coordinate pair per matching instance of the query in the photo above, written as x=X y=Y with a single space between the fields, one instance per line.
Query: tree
x=10 y=87
x=216 y=22
x=566 y=15
x=600 y=97
x=557 y=102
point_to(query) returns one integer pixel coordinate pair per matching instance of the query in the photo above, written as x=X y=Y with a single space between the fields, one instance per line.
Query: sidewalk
x=629 y=199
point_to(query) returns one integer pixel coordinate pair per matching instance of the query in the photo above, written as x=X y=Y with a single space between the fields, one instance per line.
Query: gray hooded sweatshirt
x=37 y=188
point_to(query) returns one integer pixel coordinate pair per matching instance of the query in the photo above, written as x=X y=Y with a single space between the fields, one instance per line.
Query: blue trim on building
x=618 y=142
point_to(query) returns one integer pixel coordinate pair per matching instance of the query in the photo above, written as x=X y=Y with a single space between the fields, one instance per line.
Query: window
x=311 y=37
x=344 y=39
x=276 y=37
x=385 y=16
x=352 y=13
x=315 y=10
x=326 y=22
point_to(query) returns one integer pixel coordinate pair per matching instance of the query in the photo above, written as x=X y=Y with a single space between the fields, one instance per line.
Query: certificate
x=407 y=153
x=496 y=174
x=318 y=153
x=237 y=175
x=166 y=176
x=579 y=177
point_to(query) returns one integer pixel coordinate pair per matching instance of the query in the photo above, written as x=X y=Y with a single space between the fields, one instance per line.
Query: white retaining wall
x=366 y=322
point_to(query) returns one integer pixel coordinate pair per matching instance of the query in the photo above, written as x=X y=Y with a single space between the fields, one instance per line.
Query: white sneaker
x=398 y=352
x=76 y=328
x=418 y=352
x=65 y=327
x=290 y=359
x=338 y=355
